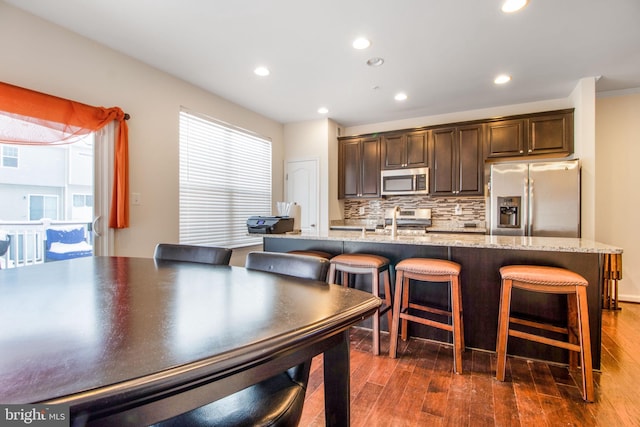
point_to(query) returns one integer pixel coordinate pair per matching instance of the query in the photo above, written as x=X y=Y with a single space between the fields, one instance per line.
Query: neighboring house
x=46 y=182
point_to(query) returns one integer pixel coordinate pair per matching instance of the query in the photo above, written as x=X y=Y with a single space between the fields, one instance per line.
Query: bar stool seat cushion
x=360 y=260
x=433 y=267
x=542 y=275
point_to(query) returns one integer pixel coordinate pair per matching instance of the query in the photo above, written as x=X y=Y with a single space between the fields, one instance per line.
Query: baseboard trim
x=629 y=298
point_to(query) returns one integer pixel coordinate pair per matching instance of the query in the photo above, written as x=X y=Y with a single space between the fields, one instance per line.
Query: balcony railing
x=27 y=240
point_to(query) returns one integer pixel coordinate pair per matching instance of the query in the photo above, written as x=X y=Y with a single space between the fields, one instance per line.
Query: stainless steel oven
x=405 y=181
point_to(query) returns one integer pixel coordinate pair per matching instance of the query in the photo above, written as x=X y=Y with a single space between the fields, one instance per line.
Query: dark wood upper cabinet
x=370 y=186
x=359 y=167
x=551 y=134
x=349 y=168
x=455 y=153
x=457 y=161
x=471 y=160
x=506 y=138
x=405 y=150
x=536 y=134
x=443 y=166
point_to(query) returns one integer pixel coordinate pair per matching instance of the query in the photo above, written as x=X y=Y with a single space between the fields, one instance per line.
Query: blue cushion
x=53 y=256
x=64 y=236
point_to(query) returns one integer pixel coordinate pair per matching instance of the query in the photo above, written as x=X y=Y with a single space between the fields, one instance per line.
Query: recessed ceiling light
x=400 y=96
x=502 y=79
x=361 y=43
x=323 y=110
x=375 y=62
x=262 y=71
x=510 y=6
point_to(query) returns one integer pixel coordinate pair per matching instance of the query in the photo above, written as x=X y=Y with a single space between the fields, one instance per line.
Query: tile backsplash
x=442 y=208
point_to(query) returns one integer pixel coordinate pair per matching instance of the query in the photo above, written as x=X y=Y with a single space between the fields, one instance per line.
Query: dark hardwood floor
x=420 y=389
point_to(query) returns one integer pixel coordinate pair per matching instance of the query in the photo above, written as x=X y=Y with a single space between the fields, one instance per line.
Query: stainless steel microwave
x=404 y=181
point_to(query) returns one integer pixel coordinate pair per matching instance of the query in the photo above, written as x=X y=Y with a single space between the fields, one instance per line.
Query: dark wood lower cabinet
x=480 y=280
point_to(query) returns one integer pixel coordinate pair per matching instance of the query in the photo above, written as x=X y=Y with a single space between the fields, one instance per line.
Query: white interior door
x=302 y=188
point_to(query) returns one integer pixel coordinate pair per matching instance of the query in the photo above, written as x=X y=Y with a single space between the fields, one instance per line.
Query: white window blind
x=225 y=177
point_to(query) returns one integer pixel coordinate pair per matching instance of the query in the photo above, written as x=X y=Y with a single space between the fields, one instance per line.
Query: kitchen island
x=481 y=257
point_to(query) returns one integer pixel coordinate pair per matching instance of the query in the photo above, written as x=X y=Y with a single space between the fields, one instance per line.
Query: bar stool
x=551 y=280
x=428 y=270
x=366 y=264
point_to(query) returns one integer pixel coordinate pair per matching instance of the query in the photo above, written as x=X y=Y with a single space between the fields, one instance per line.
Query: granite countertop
x=469 y=240
x=456 y=229
x=477 y=227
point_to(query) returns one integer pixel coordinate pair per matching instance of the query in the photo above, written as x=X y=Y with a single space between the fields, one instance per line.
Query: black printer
x=269 y=224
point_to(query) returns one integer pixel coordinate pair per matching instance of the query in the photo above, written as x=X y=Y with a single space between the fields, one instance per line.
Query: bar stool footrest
x=544 y=340
x=428 y=322
x=432 y=310
x=538 y=325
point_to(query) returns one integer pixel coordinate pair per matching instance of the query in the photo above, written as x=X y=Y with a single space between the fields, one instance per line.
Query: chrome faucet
x=394 y=221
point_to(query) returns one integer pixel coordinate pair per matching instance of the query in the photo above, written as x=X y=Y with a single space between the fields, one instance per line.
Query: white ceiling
x=443 y=53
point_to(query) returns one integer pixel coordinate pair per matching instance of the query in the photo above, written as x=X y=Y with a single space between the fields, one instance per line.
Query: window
x=82 y=200
x=9 y=156
x=225 y=177
x=42 y=207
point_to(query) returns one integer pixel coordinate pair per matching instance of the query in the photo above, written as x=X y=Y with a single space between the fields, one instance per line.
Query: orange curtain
x=70 y=119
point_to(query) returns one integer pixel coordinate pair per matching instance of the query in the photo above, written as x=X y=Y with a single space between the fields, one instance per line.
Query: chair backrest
x=302 y=266
x=192 y=253
x=305 y=267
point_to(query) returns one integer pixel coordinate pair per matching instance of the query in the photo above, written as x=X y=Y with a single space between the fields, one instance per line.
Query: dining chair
x=4 y=246
x=289 y=264
x=192 y=253
x=276 y=401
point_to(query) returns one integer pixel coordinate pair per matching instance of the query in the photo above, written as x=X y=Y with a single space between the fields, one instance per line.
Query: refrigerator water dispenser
x=509 y=211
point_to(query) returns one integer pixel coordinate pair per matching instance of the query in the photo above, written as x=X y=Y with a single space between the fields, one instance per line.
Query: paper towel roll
x=295 y=213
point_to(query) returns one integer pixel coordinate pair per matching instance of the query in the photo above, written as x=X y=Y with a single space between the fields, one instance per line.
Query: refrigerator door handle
x=524 y=214
x=530 y=208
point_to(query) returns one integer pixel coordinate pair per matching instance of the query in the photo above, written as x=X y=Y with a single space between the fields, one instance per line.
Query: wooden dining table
x=133 y=341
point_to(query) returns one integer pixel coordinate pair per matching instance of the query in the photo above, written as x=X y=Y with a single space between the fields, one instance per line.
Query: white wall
x=47 y=58
x=336 y=207
x=617 y=194
x=583 y=98
x=307 y=141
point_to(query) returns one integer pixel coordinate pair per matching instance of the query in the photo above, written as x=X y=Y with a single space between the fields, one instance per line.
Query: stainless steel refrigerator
x=535 y=199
